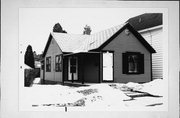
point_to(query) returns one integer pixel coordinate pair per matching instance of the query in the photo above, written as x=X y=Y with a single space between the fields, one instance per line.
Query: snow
x=155 y=87
x=37 y=81
x=112 y=96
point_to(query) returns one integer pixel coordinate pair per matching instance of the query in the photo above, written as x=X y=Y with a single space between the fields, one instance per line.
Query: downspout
x=82 y=68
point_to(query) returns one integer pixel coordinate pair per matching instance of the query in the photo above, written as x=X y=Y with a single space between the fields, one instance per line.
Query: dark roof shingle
x=145 y=21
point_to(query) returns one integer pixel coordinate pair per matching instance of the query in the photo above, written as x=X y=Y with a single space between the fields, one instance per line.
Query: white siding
x=154 y=38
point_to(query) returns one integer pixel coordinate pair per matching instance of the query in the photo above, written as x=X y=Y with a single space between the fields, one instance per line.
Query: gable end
x=141 y=39
x=135 y=33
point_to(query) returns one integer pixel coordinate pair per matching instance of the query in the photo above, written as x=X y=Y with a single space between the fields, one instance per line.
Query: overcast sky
x=35 y=24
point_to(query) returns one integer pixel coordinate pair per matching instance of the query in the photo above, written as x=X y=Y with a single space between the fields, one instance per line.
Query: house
x=149 y=25
x=118 y=54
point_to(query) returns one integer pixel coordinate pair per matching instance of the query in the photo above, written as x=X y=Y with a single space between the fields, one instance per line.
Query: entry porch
x=88 y=67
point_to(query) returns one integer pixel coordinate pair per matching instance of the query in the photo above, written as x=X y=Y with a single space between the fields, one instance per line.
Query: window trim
x=125 y=67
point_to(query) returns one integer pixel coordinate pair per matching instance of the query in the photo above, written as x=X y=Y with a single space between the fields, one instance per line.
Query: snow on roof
x=76 y=43
x=95 y=40
x=69 y=42
x=84 y=43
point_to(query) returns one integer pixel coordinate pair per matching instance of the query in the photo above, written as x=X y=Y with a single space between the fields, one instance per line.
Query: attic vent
x=126 y=31
x=139 y=20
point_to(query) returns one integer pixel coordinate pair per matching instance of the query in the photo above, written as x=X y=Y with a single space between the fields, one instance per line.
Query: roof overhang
x=152 y=28
x=78 y=53
x=47 y=45
x=135 y=33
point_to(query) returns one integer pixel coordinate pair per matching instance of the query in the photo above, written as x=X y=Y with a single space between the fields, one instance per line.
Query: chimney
x=87 y=30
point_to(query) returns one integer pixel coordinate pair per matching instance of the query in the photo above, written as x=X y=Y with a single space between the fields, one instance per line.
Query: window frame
x=140 y=63
x=48 y=65
x=59 y=65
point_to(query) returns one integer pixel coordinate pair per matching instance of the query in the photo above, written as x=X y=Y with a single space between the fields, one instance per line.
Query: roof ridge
x=93 y=33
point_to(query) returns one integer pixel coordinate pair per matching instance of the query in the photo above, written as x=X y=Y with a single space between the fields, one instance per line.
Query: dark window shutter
x=141 y=63
x=124 y=63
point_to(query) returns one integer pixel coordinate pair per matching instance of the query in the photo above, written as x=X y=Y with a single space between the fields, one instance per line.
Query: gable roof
x=84 y=43
x=135 y=33
x=146 y=20
x=69 y=42
x=95 y=40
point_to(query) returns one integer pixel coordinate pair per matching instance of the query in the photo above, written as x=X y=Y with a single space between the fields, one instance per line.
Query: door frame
x=69 y=68
x=110 y=51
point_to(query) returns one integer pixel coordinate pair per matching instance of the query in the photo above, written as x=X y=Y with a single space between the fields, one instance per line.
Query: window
x=58 y=63
x=48 y=64
x=133 y=63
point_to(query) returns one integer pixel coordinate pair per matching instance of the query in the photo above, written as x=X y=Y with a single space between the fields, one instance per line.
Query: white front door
x=107 y=66
x=72 y=68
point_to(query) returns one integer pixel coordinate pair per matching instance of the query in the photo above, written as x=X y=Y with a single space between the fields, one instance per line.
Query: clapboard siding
x=52 y=51
x=154 y=38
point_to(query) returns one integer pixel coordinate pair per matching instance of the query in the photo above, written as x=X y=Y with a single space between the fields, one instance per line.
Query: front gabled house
x=119 y=54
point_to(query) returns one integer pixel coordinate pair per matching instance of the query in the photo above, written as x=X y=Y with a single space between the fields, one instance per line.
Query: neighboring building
x=149 y=25
x=118 y=54
x=37 y=64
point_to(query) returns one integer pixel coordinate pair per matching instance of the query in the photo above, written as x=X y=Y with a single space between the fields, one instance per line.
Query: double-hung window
x=58 y=63
x=48 y=64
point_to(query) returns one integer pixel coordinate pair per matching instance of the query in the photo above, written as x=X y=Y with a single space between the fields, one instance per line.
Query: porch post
x=82 y=68
x=100 y=67
x=62 y=66
x=72 y=74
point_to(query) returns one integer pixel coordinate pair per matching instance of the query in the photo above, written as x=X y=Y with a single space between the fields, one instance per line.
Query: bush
x=30 y=75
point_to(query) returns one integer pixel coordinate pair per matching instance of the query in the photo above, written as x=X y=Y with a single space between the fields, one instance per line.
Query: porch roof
x=80 y=53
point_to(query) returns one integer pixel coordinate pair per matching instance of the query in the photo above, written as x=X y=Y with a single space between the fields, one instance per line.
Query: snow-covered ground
x=104 y=96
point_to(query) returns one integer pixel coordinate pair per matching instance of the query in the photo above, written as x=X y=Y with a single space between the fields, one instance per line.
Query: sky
x=35 y=24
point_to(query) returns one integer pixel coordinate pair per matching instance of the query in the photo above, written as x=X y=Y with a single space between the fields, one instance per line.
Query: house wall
x=52 y=51
x=121 y=44
x=155 y=37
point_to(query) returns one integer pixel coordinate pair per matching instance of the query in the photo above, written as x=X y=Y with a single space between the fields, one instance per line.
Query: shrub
x=30 y=75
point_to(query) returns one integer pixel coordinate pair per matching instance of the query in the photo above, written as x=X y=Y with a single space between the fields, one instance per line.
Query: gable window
x=133 y=63
x=58 y=63
x=48 y=64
